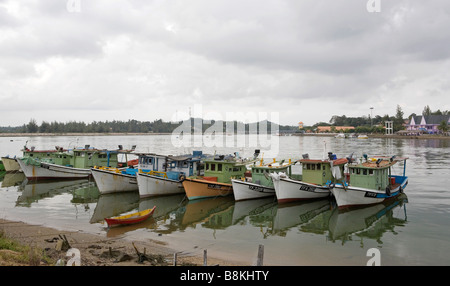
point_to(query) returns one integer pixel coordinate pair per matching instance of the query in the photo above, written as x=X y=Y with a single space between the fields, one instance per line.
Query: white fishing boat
x=71 y=164
x=258 y=183
x=164 y=175
x=314 y=181
x=112 y=180
x=363 y=136
x=370 y=182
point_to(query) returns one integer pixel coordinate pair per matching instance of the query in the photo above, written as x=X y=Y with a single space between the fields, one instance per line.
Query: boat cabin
x=321 y=172
x=223 y=170
x=259 y=173
x=172 y=166
x=373 y=174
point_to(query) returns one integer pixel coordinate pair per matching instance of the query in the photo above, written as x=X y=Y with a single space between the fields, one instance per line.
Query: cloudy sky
x=291 y=60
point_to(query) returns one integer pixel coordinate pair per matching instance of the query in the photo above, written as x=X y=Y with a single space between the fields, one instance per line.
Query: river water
x=412 y=230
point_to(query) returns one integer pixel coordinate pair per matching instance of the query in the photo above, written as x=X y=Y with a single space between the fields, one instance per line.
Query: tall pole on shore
x=371 y=117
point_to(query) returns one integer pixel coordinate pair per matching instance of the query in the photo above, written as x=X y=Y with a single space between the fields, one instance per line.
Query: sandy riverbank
x=97 y=250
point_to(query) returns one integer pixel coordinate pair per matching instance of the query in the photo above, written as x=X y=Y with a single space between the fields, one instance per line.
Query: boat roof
x=340 y=161
x=385 y=162
x=184 y=157
x=275 y=165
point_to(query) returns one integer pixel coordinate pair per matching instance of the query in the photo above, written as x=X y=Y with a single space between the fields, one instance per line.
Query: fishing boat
x=313 y=183
x=363 y=136
x=259 y=184
x=70 y=164
x=132 y=218
x=112 y=180
x=11 y=164
x=164 y=175
x=370 y=181
x=216 y=181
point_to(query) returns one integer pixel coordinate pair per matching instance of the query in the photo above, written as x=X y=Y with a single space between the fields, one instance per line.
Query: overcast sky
x=303 y=60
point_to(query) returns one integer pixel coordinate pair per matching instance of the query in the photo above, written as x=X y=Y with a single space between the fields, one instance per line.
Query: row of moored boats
x=352 y=182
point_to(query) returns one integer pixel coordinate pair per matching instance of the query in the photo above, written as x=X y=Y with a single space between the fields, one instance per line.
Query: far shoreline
x=393 y=136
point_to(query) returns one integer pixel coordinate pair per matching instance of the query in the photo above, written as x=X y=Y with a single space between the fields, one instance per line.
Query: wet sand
x=97 y=250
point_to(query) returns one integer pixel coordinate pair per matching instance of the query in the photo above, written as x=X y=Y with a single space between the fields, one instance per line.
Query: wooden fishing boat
x=114 y=180
x=313 y=183
x=10 y=164
x=259 y=184
x=130 y=218
x=370 y=182
x=164 y=175
x=217 y=176
x=70 y=164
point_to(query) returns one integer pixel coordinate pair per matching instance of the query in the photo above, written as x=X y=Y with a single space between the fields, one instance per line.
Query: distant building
x=427 y=123
x=323 y=129
x=300 y=125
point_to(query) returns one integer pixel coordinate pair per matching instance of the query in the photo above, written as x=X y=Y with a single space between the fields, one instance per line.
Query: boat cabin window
x=365 y=172
x=147 y=160
x=219 y=167
x=213 y=167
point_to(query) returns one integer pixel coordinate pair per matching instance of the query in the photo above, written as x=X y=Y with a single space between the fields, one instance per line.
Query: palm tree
x=443 y=127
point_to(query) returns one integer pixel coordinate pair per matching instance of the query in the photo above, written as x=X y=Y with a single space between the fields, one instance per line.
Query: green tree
x=426 y=110
x=398 y=121
x=443 y=126
x=32 y=126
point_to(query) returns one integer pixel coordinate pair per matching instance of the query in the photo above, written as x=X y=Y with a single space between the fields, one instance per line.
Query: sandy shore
x=97 y=250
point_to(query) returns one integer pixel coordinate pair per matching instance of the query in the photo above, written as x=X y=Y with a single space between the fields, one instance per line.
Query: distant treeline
x=363 y=124
x=132 y=126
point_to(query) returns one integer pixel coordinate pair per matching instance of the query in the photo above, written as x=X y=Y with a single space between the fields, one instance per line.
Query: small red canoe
x=130 y=218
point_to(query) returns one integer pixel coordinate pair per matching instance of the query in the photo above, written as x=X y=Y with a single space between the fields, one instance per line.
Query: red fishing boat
x=130 y=218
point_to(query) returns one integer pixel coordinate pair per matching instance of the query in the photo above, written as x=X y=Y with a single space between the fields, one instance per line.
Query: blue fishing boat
x=164 y=175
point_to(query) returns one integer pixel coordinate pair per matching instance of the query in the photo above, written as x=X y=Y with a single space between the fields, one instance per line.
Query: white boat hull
x=247 y=190
x=352 y=196
x=150 y=185
x=112 y=182
x=10 y=164
x=52 y=171
x=288 y=190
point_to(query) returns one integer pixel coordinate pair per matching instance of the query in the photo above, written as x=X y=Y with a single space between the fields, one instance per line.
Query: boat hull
x=10 y=164
x=150 y=185
x=199 y=188
x=288 y=190
x=247 y=190
x=353 y=197
x=113 y=182
x=52 y=171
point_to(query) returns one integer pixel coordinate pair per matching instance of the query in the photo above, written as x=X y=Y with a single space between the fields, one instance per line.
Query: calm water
x=413 y=230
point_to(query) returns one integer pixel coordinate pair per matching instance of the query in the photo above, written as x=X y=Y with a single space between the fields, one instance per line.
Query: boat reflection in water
x=308 y=216
x=33 y=191
x=12 y=179
x=175 y=213
x=367 y=222
x=214 y=213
